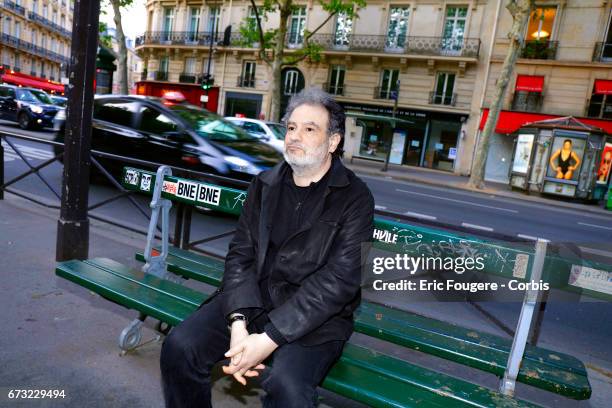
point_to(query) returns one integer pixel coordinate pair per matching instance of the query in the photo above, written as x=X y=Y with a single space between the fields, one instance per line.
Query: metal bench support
x=519 y=342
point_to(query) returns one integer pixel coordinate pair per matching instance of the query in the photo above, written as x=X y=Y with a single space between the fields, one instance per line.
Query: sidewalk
x=445 y=179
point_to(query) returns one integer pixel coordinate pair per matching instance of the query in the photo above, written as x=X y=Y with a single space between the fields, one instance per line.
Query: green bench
x=363 y=375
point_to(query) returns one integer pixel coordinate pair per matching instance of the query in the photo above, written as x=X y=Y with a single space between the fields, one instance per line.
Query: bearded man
x=292 y=273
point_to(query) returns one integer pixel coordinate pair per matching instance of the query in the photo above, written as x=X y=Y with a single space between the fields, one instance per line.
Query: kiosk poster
x=524 y=145
x=603 y=173
x=397 y=148
x=566 y=157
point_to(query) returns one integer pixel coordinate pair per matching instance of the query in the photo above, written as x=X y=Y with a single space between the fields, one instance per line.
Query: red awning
x=603 y=87
x=510 y=122
x=18 y=80
x=529 y=83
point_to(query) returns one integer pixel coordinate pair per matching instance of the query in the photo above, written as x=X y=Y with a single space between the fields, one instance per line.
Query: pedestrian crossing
x=27 y=151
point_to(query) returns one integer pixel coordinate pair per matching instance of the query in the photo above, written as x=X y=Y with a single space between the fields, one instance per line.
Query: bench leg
x=131 y=336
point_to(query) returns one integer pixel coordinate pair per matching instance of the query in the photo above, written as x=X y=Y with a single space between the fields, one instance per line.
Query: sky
x=133 y=18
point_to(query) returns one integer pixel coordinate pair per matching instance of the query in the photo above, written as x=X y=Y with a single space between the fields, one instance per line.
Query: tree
x=104 y=38
x=271 y=43
x=122 y=69
x=520 y=11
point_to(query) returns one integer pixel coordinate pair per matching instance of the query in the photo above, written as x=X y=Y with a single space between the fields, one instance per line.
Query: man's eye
x=310 y=129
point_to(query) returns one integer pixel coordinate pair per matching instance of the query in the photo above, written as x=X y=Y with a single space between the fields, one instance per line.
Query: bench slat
x=373 y=378
x=541 y=368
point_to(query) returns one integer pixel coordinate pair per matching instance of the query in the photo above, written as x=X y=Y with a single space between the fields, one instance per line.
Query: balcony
x=188 y=78
x=245 y=82
x=426 y=46
x=17 y=69
x=334 y=89
x=538 y=49
x=527 y=101
x=160 y=75
x=602 y=52
x=14 y=7
x=49 y=24
x=442 y=99
x=175 y=38
x=385 y=93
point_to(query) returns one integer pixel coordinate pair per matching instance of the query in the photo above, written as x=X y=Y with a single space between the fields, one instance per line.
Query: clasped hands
x=247 y=351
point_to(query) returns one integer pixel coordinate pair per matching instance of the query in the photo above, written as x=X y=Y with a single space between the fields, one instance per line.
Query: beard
x=311 y=160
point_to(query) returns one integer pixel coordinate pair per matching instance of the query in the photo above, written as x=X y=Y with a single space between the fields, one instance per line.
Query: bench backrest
x=502 y=259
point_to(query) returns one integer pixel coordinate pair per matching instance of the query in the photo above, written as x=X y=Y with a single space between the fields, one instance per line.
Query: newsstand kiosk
x=562 y=157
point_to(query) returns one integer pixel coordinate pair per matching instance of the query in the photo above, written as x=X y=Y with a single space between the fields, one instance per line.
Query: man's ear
x=334 y=141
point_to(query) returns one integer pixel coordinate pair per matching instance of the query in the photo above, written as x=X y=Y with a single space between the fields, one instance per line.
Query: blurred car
x=59 y=100
x=29 y=107
x=271 y=133
x=174 y=133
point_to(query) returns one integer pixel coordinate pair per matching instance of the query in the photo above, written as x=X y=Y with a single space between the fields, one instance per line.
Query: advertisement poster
x=524 y=146
x=565 y=158
x=603 y=172
x=397 y=148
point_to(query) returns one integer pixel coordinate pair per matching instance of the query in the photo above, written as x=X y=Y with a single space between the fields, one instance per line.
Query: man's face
x=307 y=143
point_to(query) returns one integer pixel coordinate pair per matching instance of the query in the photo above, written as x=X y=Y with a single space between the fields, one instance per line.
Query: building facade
x=35 y=36
x=430 y=64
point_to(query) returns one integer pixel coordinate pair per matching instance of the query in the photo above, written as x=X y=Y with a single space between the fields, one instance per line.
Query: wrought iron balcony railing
x=31 y=48
x=442 y=99
x=527 y=101
x=602 y=52
x=13 y=6
x=247 y=81
x=176 y=38
x=385 y=93
x=160 y=75
x=49 y=24
x=334 y=89
x=187 y=77
x=540 y=49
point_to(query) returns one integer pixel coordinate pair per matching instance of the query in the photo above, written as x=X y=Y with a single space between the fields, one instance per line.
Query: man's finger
x=259 y=367
x=251 y=373
x=238 y=348
x=236 y=359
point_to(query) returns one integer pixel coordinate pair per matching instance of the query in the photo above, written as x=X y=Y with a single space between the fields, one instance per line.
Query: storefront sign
x=522 y=155
x=452 y=153
x=385 y=111
x=603 y=173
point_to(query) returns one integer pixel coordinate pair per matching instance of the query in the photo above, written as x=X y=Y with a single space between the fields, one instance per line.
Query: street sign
x=204 y=98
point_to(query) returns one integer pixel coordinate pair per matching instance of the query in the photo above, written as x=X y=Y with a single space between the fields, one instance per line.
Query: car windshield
x=58 y=100
x=278 y=130
x=26 y=96
x=209 y=125
x=43 y=97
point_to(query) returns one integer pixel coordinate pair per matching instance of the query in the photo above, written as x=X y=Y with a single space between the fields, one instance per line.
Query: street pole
x=73 y=224
x=213 y=36
x=397 y=86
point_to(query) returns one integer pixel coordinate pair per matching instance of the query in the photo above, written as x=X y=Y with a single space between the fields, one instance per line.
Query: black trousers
x=193 y=347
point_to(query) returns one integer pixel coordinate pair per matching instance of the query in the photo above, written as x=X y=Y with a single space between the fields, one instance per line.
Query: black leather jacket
x=315 y=287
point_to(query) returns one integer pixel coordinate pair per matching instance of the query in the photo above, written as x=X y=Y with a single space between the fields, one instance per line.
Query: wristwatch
x=236 y=316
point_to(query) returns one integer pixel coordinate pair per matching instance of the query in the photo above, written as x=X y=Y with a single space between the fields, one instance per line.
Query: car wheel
x=24 y=121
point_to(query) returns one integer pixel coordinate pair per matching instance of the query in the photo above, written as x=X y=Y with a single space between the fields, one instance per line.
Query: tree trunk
x=277 y=62
x=122 y=69
x=520 y=10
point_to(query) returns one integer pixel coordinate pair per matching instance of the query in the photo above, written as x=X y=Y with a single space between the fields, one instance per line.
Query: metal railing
x=49 y=24
x=13 y=6
x=176 y=38
x=442 y=99
x=31 y=48
x=527 y=101
x=245 y=82
x=385 y=93
x=160 y=75
x=539 y=49
x=188 y=78
x=334 y=89
x=602 y=52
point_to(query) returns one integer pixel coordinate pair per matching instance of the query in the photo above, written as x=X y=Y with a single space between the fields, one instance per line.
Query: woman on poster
x=564 y=156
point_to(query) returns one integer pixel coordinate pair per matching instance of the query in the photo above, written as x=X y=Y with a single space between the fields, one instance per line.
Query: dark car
x=176 y=134
x=59 y=100
x=29 y=107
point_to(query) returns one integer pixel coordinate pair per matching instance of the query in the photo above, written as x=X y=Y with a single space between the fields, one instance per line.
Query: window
x=54 y=17
x=600 y=105
x=7 y=25
x=443 y=94
x=42 y=68
x=388 y=83
x=538 y=44
x=17 y=29
x=398 y=27
x=63 y=21
x=35 y=6
x=213 y=19
x=194 y=23
x=205 y=67
x=248 y=74
x=190 y=66
x=454 y=28
x=168 y=23
x=17 y=62
x=336 y=80
x=528 y=93
x=606 y=52
x=153 y=121
x=119 y=113
x=297 y=23
x=43 y=41
x=344 y=28
x=45 y=12
x=253 y=127
x=291 y=82
x=163 y=64
x=34 y=37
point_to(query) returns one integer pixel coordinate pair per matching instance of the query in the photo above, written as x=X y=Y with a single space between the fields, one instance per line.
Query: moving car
x=271 y=133
x=174 y=133
x=59 y=100
x=28 y=107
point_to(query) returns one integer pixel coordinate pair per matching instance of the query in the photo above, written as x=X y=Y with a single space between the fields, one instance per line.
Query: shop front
x=415 y=138
x=243 y=104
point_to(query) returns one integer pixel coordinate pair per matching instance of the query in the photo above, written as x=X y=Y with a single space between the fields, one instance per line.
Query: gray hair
x=317 y=97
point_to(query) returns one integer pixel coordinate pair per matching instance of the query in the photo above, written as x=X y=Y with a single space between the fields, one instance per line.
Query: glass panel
x=154 y=121
x=119 y=113
x=541 y=23
x=296 y=26
x=398 y=27
x=454 y=28
x=344 y=27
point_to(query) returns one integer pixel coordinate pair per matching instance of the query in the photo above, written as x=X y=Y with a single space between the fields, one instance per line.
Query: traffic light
x=207 y=81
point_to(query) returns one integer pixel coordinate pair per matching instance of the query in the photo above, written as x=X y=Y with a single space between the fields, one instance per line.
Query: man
x=292 y=273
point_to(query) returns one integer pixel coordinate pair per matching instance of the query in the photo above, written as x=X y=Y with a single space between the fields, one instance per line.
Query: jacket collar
x=338 y=176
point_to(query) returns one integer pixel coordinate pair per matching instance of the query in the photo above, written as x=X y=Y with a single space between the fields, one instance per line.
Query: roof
x=566 y=122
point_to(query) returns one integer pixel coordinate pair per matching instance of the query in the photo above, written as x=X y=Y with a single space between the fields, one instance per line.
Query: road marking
x=27 y=151
x=530 y=237
x=474 y=226
x=380 y=207
x=594 y=251
x=595 y=226
x=419 y=215
x=457 y=201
